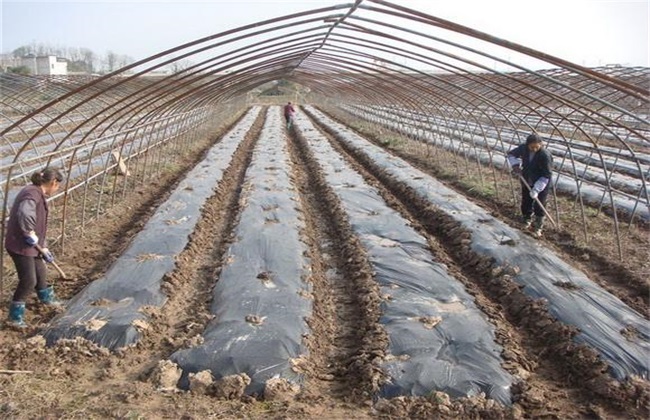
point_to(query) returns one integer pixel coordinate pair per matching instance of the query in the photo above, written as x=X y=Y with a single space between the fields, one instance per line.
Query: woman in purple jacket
x=25 y=241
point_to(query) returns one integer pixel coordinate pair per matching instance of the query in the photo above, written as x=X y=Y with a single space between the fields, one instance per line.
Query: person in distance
x=289 y=112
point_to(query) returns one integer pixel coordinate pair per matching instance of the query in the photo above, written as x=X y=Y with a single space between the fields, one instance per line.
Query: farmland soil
x=77 y=379
x=537 y=347
x=598 y=255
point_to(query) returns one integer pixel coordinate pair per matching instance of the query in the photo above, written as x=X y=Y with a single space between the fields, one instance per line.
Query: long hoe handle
x=537 y=200
x=61 y=273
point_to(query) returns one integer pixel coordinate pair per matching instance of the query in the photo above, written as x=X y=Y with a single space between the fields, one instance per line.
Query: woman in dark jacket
x=534 y=164
x=25 y=241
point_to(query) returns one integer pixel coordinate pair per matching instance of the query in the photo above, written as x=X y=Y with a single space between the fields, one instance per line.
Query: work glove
x=516 y=170
x=48 y=257
x=538 y=187
x=31 y=239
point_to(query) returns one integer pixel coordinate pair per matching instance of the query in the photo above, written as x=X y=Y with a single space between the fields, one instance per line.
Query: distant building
x=48 y=65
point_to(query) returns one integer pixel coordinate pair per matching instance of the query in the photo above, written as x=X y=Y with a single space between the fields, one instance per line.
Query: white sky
x=587 y=32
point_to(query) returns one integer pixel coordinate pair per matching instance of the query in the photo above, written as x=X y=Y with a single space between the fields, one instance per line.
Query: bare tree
x=89 y=58
x=124 y=60
x=111 y=61
x=72 y=54
x=21 y=51
x=179 y=65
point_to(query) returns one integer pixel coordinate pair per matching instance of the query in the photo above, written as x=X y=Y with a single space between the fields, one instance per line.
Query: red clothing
x=289 y=110
x=29 y=212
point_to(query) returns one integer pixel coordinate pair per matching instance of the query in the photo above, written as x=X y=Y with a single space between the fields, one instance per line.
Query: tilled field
x=308 y=274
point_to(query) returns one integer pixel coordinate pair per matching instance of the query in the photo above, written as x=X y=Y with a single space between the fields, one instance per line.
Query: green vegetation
x=24 y=70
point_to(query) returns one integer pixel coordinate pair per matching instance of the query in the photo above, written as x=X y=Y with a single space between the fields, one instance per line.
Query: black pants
x=529 y=205
x=32 y=274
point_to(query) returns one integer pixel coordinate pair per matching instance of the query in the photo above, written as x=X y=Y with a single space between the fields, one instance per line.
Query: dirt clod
x=279 y=389
x=231 y=387
x=255 y=319
x=200 y=382
x=430 y=322
x=165 y=375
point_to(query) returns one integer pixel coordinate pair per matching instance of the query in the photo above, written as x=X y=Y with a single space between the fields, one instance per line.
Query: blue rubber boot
x=17 y=315
x=47 y=297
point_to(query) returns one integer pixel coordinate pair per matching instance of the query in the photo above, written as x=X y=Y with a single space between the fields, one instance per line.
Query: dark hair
x=533 y=138
x=45 y=176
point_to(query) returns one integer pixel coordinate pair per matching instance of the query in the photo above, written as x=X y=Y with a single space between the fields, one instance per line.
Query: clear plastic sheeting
x=111 y=310
x=439 y=339
x=259 y=301
x=600 y=317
